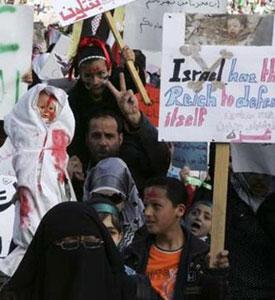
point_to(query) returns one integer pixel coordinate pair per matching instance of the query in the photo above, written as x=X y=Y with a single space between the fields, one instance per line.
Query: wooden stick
x=129 y=63
x=219 y=201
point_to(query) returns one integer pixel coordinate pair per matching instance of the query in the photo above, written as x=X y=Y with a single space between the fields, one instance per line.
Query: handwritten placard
x=143 y=19
x=55 y=66
x=71 y=11
x=7 y=191
x=215 y=93
x=15 y=53
x=192 y=155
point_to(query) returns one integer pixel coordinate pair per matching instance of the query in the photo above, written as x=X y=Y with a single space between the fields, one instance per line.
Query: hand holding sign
x=221 y=260
x=128 y=53
x=126 y=101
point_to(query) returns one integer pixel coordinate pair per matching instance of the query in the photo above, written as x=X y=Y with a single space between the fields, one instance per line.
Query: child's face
x=115 y=234
x=234 y=27
x=161 y=217
x=47 y=107
x=94 y=76
x=199 y=220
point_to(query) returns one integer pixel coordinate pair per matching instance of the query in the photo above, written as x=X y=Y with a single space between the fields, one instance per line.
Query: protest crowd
x=103 y=207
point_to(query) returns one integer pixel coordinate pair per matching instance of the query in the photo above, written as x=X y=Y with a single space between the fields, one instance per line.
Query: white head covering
x=24 y=115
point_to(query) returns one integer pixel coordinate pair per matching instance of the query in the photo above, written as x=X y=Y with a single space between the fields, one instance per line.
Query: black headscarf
x=49 y=273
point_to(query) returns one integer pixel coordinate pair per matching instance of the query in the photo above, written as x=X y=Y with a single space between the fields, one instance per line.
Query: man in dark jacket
x=132 y=137
x=173 y=259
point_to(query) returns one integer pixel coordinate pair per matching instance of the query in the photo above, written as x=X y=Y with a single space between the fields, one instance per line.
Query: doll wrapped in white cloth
x=40 y=127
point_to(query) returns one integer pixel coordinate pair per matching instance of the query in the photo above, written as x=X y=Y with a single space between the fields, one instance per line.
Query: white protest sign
x=71 y=11
x=143 y=19
x=7 y=152
x=255 y=158
x=215 y=93
x=15 y=53
x=7 y=191
x=55 y=66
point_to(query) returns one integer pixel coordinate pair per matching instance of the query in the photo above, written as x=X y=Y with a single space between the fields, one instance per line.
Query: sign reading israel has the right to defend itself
x=215 y=93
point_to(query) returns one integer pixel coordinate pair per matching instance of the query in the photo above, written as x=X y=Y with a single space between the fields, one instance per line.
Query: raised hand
x=128 y=53
x=75 y=168
x=126 y=101
x=27 y=77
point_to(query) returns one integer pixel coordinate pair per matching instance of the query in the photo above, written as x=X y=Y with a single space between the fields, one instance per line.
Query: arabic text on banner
x=71 y=11
x=143 y=19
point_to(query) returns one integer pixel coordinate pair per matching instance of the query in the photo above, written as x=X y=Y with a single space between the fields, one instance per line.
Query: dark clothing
x=140 y=150
x=83 y=106
x=194 y=281
x=252 y=253
x=2 y=133
x=266 y=216
x=50 y=272
x=143 y=154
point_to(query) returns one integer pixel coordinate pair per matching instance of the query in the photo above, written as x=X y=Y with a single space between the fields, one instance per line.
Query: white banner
x=7 y=152
x=7 y=191
x=143 y=19
x=55 y=66
x=71 y=11
x=16 y=31
x=215 y=93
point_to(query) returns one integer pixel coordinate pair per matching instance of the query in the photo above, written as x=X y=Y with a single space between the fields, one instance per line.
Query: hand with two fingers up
x=126 y=100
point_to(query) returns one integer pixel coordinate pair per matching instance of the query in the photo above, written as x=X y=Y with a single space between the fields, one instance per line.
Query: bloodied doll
x=40 y=127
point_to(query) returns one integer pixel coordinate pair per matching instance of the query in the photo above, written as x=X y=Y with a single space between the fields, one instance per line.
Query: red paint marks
x=150 y=193
x=95 y=70
x=60 y=142
x=25 y=207
x=47 y=105
x=51 y=107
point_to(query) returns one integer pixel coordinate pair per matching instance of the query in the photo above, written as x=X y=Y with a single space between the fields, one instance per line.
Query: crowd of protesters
x=261 y=7
x=96 y=215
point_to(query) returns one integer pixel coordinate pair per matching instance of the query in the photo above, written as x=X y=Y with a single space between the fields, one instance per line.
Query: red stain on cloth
x=60 y=142
x=25 y=207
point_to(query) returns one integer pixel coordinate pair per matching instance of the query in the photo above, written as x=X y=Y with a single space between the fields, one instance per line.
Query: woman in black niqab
x=50 y=272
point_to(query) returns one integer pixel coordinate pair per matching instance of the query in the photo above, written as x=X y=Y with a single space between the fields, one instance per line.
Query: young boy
x=199 y=217
x=173 y=259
